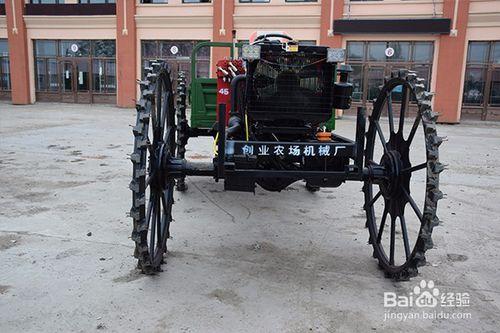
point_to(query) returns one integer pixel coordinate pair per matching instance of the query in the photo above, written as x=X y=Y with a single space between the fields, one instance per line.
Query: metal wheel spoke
x=162 y=107
x=161 y=217
x=152 y=226
x=413 y=129
x=148 y=180
x=415 y=168
x=165 y=109
x=159 y=229
x=405 y=100
x=167 y=199
x=149 y=210
x=151 y=149
x=390 y=112
x=169 y=136
x=393 y=240
x=413 y=205
x=405 y=236
x=381 y=135
x=158 y=218
x=372 y=201
x=382 y=224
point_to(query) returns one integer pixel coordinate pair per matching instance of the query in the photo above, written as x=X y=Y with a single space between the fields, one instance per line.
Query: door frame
x=489 y=109
x=77 y=97
x=66 y=97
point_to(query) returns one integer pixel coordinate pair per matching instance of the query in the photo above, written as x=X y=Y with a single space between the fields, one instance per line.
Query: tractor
x=270 y=114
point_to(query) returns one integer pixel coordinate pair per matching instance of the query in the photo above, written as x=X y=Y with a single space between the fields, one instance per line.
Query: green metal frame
x=202 y=92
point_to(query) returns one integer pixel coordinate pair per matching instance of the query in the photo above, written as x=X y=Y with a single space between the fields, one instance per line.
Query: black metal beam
x=392 y=26
x=360 y=137
x=295 y=174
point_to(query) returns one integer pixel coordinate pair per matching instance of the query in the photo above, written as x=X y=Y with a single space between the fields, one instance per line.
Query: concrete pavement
x=270 y=262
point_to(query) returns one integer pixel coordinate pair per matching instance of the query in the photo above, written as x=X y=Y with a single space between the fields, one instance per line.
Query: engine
x=291 y=87
x=288 y=94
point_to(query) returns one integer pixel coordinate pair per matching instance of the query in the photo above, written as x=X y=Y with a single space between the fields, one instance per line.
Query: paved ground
x=287 y=262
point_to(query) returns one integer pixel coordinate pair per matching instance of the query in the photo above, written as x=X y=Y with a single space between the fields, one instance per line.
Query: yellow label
x=292 y=48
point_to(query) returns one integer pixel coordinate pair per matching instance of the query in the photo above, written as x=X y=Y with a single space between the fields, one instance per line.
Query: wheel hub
x=393 y=164
x=159 y=166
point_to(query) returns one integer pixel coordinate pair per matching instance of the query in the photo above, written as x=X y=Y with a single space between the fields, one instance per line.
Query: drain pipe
x=454 y=31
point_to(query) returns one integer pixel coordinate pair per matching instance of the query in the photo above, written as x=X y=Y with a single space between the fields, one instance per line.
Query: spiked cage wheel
x=401 y=206
x=182 y=126
x=152 y=187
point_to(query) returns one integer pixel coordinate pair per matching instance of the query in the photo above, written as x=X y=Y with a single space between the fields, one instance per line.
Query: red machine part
x=226 y=71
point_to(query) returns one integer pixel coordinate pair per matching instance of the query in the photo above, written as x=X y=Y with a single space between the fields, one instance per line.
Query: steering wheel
x=273 y=34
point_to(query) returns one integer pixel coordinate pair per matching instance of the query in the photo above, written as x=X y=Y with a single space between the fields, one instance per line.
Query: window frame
x=386 y=64
x=487 y=65
x=196 y=2
x=154 y=2
x=41 y=2
x=158 y=50
x=2 y=58
x=89 y=2
x=58 y=58
x=254 y=1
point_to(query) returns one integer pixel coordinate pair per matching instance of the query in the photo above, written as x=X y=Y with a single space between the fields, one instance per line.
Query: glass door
x=82 y=80
x=495 y=88
x=375 y=80
x=67 y=81
x=491 y=109
x=75 y=81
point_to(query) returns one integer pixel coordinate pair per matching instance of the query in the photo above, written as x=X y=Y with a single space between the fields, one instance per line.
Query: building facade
x=93 y=51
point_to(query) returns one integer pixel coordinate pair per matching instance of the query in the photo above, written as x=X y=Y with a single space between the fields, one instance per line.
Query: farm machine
x=271 y=114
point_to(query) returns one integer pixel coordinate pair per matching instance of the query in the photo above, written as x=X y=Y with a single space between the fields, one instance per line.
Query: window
x=104 y=48
x=96 y=1
x=196 y=1
x=401 y=52
x=254 y=1
x=356 y=51
x=4 y=48
x=376 y=51
x=370 y=64
x=301 y=0
x=154 y=1
x=46 y=48
x=177 y=53
x=95 y=59
x=496 y=53
x=475 y=79
x=482 y=75
x=104 y=76
x=47 y=1
x=478 y=52
x=4 y=65
x=72 y=48
x=495 y=88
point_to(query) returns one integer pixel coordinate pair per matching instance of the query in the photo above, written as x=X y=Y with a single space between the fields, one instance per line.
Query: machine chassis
x=159 y=162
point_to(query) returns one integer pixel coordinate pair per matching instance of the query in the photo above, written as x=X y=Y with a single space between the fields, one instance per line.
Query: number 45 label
x=224 y=91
